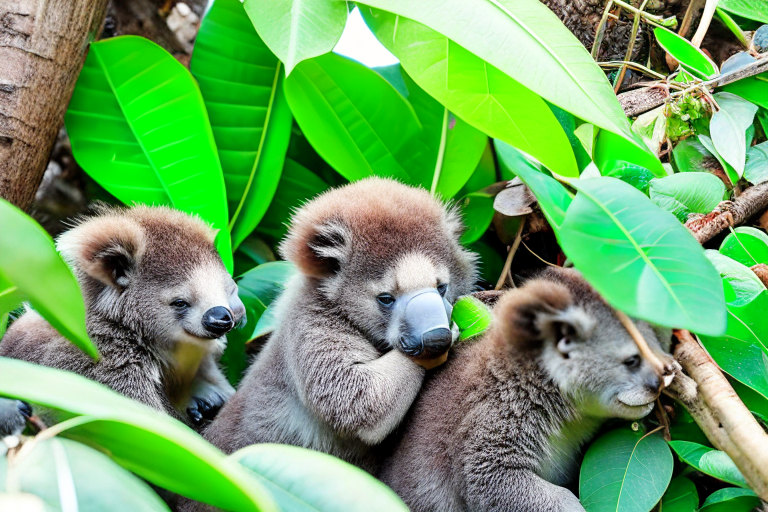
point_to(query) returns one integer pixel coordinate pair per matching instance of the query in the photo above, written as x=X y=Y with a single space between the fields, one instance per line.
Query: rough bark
x=748 y=204
x=42 y=48
x=637 y=101
x=717 y=409
x=761 y=271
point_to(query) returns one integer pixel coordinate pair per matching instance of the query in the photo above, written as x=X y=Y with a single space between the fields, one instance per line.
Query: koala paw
x=566 y=501
x=13 y=416
x=207 y=399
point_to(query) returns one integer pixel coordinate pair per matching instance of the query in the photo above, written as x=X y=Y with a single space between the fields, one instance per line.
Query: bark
x=637 y=101
x=718 y=410
x=42 y=49
x=748 y=204
x=761 y=271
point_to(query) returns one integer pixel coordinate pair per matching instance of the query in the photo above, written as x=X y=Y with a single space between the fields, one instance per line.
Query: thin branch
x=600 y=30
x=510 y=256
x=706 y=19
x=630 y=48
x=727 y=214
x=665 y=371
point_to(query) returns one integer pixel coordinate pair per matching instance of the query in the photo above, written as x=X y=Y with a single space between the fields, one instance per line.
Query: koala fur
x=158 y=302
x=333 y=376
x=501 y=426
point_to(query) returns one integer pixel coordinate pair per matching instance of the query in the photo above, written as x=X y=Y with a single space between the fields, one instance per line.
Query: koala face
x=155 y=272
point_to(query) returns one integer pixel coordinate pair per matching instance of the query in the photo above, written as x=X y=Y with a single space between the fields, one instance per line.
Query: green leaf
x=475 y=90
x=638 y=177
x=728 y=128
x=257 y=288
x=252 y=252
x=491 y=263
x=753 y=89
x=731 y=499
x=690 y=155
x=709 y=146
x=348 y=112
x=472 y=316
x=685 y=193
x=30 y=268
x=750 y=9
x=681 y=496
x=138 y=126
x=640 y=258
x=709 y=461
x=625 y=470
x=144 y=441
x=242 y=85
x=756 y=168
x=553 y=198
x=554 y=63
x=747 y=245
x=71 y=476
x=305 y=480
x=296 y=30
x=569 y=124
x=690 y=57
x=477 y=211
x=755 y=402
x=610 y=151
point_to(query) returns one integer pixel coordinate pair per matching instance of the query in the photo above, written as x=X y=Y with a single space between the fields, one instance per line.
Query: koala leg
x=13 y=416
x=210 y=391
x=521 y=491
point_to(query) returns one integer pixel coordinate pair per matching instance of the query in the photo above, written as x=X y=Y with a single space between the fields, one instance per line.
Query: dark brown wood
x=747 y=205
x=42 y=49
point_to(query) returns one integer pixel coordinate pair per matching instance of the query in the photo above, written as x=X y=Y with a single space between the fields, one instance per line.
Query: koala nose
x=654 y=384
x=218 y=321
x=436 y=341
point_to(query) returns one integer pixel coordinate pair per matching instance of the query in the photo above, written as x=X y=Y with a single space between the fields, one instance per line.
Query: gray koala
x=380 y=265
x=159 y=303
x=501 y=426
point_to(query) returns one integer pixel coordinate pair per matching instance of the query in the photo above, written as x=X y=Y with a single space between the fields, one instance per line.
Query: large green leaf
x=681 y=496
x=690 y=155
x=625 y=470
x=477 y=211
x=747 y=245
x=754 y=89
x=710 y=461
x=728 y=128
x=144 y=441
x=296 y=30
x=304 y=480
x=32 y=270
x=553 y=198
x=475 y=90
x=729 y=170
x=524 y=40
x=257 y=288
x=756 y=168
x=472 y=316
x=352 y=116
x=731 y=499
x=611 y=151
x=637 y=176
x=640 y=258
x=750 y=9
x=685 y=193
x=70 y=476
x=242 y=85
x=138 y=126
x=691 y=58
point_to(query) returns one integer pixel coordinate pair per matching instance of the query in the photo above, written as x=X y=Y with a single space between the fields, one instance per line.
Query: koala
x=369 y=310
x=159 y=303
x=501 y=426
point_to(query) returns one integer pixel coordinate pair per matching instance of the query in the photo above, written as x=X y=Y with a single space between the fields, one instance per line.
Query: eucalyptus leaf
x=142 y=440
x=640 y=258
x=756 y=168
x=691 y=58
x=139 y=127
x=750 y=9
x=637 y=176
x=712 y=462
x=625 y=470
x=32 y=270
x=477 y=211
x=242 y=85
x=685 y=193
x=690 y=155
x=681 y=496
x=747 y=245
x=728 y=128
x=475 y=90
x=296 y=30
x=472 y=316
x=729 y=170
x=731 y=499
x=753 y=89
x=610 y=151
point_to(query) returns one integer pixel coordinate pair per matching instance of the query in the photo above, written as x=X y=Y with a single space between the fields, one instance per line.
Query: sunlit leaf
x=713 y=462
x=472 y=316
x=691 y=58
x=681 y=496
x=747 y=245
x=728 y=128
x=750 y=9
x=731 y=499
x=756 y=168
x=685 y=193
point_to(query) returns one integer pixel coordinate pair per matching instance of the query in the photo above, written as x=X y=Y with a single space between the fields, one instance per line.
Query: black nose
x=218 y=321
x=436 y=341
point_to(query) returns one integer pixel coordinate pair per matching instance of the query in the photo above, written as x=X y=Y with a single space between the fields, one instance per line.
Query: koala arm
x=354 y=389
x=520 y=490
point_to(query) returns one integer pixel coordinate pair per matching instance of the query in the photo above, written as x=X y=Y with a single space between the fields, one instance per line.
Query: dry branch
x=718 y=410
x=748 y=204
x=761 y=271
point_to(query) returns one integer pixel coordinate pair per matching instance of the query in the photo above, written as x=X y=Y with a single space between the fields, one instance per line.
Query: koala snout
x=218 y=321
x=436 y=341
x=426 y=320
x=654 y=384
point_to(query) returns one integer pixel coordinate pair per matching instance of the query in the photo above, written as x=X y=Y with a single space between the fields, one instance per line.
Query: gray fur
x=131 y=264
x=500 y=428
x=12 y=419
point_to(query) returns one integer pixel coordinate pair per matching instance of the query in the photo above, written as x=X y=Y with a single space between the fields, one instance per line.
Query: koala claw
x=202 y=409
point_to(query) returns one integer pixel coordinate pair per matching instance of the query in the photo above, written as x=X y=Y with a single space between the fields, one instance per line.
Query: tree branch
x=748 y=204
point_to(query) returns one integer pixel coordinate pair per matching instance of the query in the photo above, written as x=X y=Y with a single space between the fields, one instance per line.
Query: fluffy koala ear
x=105 y=248
x=320 y=251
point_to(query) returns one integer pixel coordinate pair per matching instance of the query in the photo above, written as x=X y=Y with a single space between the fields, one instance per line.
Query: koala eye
x=442 y=289
x=632 y=362
x=386 y=299
x=180 y=303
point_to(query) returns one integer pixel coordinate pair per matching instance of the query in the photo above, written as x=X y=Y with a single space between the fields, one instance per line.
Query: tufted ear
x=319 y=251
x=106 y=248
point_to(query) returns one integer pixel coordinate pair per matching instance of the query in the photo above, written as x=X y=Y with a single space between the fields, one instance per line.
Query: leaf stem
x=440 y=153
x=510 y=256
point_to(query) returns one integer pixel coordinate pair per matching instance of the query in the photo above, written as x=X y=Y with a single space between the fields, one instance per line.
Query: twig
x=752 y=201
x=665 y=371
x=706 y=19
x=537 y=256
x=632 y=65
x=685 y=26
x=37 y=423
x=600 y=30
x=717 y=409
x=510 y=256
x=630 y=48
x=670 y=22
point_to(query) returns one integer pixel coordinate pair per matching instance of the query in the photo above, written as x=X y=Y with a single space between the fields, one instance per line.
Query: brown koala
x=501 y=426
x=380 y=265
x=158 y=301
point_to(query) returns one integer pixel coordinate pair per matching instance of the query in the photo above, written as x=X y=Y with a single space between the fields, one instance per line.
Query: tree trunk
x=42 y=49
